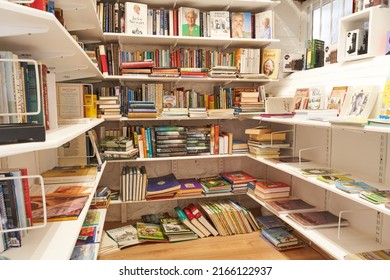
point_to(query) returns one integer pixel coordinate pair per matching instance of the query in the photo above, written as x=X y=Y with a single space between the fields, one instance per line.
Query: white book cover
x=264 y=25
x=136 y=18
x=189 y=22
x=220 y=24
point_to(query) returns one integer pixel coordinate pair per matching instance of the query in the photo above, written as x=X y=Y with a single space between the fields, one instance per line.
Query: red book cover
x=216 y=139
x=27 y=201
x=236 y=177
x=103 y=59
x=137 y=64
x=38 y=4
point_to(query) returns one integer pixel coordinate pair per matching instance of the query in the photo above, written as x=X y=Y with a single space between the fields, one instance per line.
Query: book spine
x=26 y=192
x=103 y=59
x=11 y=212
x=195 y=211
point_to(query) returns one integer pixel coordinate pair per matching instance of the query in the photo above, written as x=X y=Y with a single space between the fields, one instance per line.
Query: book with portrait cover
x=264 y=22
x=188 y=21
x=270 y=60
x=241 y=24
x=136 y=18
x=219 y=24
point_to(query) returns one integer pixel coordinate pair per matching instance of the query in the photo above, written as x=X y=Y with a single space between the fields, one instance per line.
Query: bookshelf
x=38 y=35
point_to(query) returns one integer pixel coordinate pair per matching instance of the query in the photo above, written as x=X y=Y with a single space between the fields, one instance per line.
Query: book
x=72 y=190
x=270 y=186
x=189 y=186
x=369 y=255
x=89 y=234
x=336 y=98
x=375 y=196
x=320 y=171
x=85 y=252
x=258 y=130
x=70 y=174
x=264 y=23
x=176 y=231
x=136 y=18
x=189 y=22
x=58 y=208
x=196 y=222
x=150 y=232
x=279 y=237
x=270 y=60
x=289 y=205
x=353 y=187
x=124 y=236
x=70 y=101
x=183 y=218
x=219 y=24
x=195 y=211
x=237 y=177
x=384 y=111
x=301 y=98
x=241 y=24
x=333 y=179
x=271 y=221
x=317 y=219
x=162 y=184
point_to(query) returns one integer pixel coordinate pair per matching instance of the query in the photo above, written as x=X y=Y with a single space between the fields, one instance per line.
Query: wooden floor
x=237 y=247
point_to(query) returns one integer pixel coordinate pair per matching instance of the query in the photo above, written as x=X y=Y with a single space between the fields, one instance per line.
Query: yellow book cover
x=270 y=59
x=70 y=174
x=90 y=105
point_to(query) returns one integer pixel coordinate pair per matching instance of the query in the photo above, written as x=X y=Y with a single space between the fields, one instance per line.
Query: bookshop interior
x=222 y=130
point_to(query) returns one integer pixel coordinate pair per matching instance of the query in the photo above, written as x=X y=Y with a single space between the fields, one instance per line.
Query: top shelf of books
x=36 y=34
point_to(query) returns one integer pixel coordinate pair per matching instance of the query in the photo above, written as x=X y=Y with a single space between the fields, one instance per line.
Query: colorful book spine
x=195 y=211
x=195 y=222
x=183 y=218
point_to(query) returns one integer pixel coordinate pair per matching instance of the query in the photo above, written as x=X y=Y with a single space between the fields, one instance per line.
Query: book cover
x=189 y=186
x=183 y=218
x=270 y=60
x=336 y=98
x=85 y=252
x=236 y=177
x=219 y=24
x=258 y=130
x=70 y=100
x=318 y=171
x=290 y=205
x=161 y=184
x=214 y=182
x=58 y=208
x=173 y=225
x=279 y=237
x=70 y=174
x=369 y=255
x=264 y=22
x=136 y=18
x=241 y=24
x=124 y=236
x=375 y=196
x=150 y=232
x=332 y=179
x=359 y=102
x=317 y=219
x=89 y=234
x=63 y=190
x=195 y=211
x=271 y=186
x=189 y=21
x=191 y=217
x=268 y=222
x=384 y=111
x=301 y=98
x=353 y=187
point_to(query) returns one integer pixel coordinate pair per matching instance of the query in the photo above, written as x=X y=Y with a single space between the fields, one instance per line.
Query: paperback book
x=332 y=179
x=150 y=232
x=124 y=236
x=279 y=237
x=317 y=219
x=290 y=205
x=136 y=18
x=353 y=187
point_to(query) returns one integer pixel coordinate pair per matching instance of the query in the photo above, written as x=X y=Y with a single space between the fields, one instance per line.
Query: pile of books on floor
x=265 y=143
x=264 y=189
x=239 y=180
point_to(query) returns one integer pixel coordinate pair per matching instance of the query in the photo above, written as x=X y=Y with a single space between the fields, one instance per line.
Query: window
x=325 y=16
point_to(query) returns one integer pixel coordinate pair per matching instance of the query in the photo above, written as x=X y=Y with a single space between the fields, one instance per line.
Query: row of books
x=140 y=19
x=251 y=63
x=136 y=185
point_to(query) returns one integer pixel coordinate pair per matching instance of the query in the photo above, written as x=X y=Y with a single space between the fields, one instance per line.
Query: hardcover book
x=162 y=184
x=336 y=98
x=189 y=21
x=136 y=18
x=219 y=24
x=279 y=237
x=290 y=205
x=317 y=219
x=236 y=177
x=173 y=225
x=332 y=179
x=268 y=222
x=270 y=60
x=318 y=171
x=241 y=24
x=70 y=174
x=375 y=196
x=189 y=186
x=301 y=98
x=150 y=232
x=264 y=23
x=85 y=252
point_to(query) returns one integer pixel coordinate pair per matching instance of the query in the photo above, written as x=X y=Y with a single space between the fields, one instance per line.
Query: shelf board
x=41 y=36
x=185 y=41
x=56 y=240
x=54 y=139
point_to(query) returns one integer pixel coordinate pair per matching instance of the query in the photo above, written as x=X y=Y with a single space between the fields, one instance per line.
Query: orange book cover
x=216 y=139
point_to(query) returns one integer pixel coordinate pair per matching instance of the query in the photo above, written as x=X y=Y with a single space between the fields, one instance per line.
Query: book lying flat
x=70 y=174
x=353 y=187
x=124 y=236
x=317 y=219
x=279 y=237
x=290 y=205
x=162 y=184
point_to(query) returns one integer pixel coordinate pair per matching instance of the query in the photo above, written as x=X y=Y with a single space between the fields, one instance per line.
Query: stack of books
x=177 y=113
x=170 y=141
x=223 y=72
x=199 y=112
x=190 y=72
x=376 y=196
x=190 y=187
x=142 y=109
x=102 y=198
x=240 y=147
x=108 y=107
x=239 y=180
x=198 y=140
x=162 y=187
x=118 y=147
x=270 y=189
x=136 y=67
x=215 y=185
x=165 y=72
x=291 y=205
x=265 y=143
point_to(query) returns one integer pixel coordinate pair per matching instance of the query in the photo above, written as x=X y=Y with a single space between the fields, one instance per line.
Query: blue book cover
x=189 y=185
x=162 y=184
x=268 y=222
x=353 y=187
